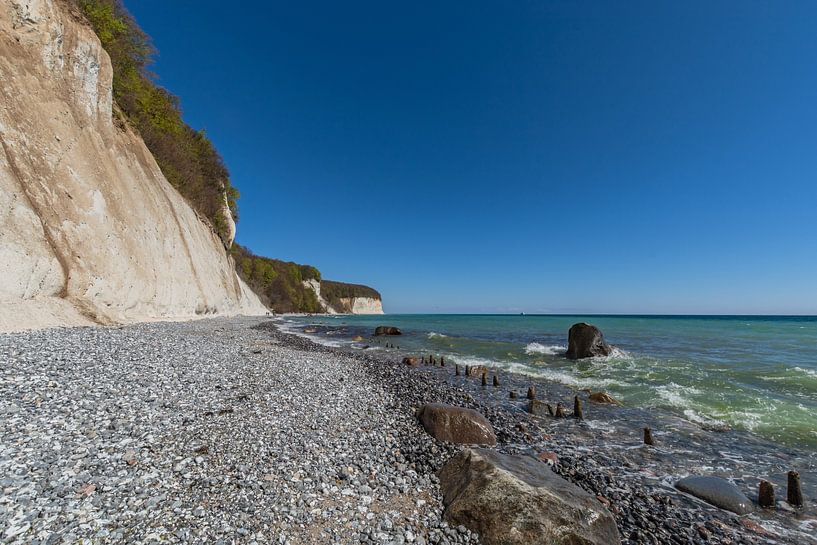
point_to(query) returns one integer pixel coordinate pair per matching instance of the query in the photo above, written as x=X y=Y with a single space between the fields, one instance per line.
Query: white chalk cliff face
x=315 y=286
x=348 y=305
x=363 y=305
x=90 y=230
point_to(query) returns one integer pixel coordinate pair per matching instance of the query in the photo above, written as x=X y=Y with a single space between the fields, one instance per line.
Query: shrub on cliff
x=186 y=156
x=278 y=283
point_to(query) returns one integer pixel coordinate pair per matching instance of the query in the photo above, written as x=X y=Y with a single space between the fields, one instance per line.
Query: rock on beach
x=518 y=500
x=717 y=491
x=456 y=424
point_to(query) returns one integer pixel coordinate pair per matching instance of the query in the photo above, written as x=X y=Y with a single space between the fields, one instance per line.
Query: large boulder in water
x=387 y=330
x=512 y=500
x=456 y=424
x=719 y=492
x=586 y=341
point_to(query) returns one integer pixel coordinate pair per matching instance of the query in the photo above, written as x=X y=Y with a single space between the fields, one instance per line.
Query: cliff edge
x=90 y=229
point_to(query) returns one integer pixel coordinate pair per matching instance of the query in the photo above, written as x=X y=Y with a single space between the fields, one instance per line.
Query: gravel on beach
x=228 y=431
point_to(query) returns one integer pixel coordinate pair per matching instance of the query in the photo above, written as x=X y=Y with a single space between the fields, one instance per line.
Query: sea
x=757 y=374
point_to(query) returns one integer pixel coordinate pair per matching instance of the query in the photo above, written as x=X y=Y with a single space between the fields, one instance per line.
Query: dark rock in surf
x=586 y=341
x=387 y=330
x=602 y=397
x=716 y=491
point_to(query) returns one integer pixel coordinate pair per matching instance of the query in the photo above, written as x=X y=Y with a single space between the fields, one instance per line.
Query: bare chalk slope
x=90 y=230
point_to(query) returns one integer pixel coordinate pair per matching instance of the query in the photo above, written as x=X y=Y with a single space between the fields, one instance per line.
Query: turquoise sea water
x=753 y=373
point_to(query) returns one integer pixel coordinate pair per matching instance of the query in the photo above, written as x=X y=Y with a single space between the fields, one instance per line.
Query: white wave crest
x=809 y=372
x=435 y=335
x=547 y=350
x=297 y=329
x=617 y=352
x=705 y=421
x=676 y=395
x=578 y=382
x=473 y=361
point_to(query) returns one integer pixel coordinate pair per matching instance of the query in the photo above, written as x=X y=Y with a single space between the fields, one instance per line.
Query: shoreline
x=231 y=429
x=680 y=443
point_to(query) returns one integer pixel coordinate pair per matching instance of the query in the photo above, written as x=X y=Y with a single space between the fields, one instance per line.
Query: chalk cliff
x=90 y=229
x=360 y=304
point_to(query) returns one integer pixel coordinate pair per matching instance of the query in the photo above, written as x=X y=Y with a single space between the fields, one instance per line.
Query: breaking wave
x=547 y=350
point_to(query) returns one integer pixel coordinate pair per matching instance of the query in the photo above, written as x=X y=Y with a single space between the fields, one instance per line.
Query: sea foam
x=547 y=350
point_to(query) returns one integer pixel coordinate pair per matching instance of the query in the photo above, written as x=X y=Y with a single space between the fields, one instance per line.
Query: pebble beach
x=228 y=430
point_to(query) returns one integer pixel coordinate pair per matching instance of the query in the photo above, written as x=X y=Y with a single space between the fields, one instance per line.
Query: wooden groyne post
x=765 y=494
x=794 y=494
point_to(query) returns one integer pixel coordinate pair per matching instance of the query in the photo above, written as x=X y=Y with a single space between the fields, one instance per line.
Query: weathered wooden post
x=550 y=409
x=648 y=440
x=513 y=394
x=765 y=494
x=456 y=369
x=531 y=392
x=496 y=380
x=560 y=411
x=577 y=408
x=794 y=494
x=485 y=378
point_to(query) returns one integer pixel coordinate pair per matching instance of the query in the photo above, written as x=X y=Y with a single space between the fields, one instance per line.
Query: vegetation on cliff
x=279 y=284
x=186 y=156
x=334 y=292
x=191 y=163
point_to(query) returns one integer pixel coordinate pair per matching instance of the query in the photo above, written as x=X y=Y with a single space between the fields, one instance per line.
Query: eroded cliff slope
x=90 y=229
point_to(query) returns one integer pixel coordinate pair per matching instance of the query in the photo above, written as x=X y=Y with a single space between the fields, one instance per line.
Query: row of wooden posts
x=794 y=494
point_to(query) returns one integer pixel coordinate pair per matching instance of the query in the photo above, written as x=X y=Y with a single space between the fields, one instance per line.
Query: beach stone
x=456 y=424
x=512 y=500
x=538 y=408
x=475 y=370
x=357 y=338
x=550 y=458
x=586 y=341
x=410 y=361
x=602 y=397
x=716 y=491
x=387 y=330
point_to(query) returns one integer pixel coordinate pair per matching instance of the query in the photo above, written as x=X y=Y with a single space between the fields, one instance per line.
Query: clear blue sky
x=516 y=156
